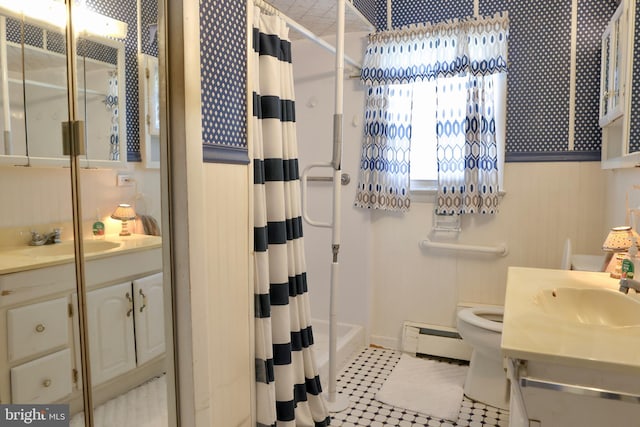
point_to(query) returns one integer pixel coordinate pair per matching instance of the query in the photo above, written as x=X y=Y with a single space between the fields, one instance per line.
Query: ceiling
x=320 y=16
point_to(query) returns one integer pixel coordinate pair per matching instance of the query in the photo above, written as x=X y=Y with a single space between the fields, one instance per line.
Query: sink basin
x=66 y=248
x=590 y=306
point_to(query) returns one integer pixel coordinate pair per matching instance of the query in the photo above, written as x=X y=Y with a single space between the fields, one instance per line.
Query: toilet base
x=486 y=381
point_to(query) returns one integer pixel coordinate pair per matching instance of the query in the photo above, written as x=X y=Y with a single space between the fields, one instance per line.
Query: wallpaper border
x=553 y=156
x=212 y=153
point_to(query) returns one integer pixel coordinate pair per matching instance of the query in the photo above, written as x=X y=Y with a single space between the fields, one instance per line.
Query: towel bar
x=497 y=250
x=579 y=390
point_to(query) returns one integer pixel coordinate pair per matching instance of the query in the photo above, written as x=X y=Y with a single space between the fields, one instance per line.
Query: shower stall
x=314 y=77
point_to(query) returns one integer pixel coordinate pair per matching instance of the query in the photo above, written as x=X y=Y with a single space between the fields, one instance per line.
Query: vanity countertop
x=20 y=258
x=531 y=332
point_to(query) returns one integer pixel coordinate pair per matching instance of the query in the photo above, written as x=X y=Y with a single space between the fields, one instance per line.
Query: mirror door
x=37 y=274
x=126 y=288
x=84 y=298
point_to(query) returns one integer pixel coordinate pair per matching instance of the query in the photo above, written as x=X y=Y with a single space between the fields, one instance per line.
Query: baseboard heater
x=434 y=340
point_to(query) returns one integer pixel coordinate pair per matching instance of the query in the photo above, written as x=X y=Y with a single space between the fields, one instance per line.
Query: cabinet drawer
x=36 y=328
x=43 y=380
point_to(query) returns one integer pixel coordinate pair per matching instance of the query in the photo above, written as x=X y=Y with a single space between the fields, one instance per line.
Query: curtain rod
x=303 y=30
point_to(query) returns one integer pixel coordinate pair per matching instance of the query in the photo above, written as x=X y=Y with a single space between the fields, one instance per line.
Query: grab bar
x=345 y=179
x=501 y=249
x=579 y=390
x=304 y=177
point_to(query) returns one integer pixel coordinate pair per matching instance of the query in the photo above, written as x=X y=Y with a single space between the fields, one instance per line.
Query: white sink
x=602 y=307
x=66 y=248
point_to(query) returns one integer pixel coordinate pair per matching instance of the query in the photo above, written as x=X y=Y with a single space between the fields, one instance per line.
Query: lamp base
x=615 y=265
x=125 y=228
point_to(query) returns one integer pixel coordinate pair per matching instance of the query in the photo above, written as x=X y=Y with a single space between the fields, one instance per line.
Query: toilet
x=486 y=381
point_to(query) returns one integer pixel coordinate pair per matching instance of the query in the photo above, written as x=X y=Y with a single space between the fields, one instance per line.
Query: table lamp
x=618 y=242
x=124 y=213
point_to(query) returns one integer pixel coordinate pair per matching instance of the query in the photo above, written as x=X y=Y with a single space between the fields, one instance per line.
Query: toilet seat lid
x=473 y=315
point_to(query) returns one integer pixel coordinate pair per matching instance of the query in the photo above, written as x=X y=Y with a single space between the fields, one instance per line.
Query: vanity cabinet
x=561 y=395
x=126 y=326
x=40 y=358
x=571 y=339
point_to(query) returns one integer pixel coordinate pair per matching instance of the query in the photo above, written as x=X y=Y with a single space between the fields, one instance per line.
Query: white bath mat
x=425 y=386
x=144 y=406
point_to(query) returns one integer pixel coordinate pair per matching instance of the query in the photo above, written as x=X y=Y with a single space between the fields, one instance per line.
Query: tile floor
x=362 y=378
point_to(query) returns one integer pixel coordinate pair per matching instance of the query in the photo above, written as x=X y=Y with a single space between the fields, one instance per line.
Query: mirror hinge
x=70 y=309
x=73 y=137
x=75 y=375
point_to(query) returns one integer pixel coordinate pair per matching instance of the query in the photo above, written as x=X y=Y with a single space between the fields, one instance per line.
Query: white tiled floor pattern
x=364 y=376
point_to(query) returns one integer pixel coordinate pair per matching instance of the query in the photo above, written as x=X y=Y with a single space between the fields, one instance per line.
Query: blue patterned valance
x=426 y=51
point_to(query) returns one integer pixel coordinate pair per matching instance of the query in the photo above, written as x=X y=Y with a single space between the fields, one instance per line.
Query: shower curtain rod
x=304 y=31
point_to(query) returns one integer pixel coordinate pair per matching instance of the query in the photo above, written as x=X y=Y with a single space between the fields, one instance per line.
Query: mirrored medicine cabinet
x=33 y=70
x=620 y=89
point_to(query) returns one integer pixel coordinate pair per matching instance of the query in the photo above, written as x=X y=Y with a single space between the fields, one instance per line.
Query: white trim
x=386 y=342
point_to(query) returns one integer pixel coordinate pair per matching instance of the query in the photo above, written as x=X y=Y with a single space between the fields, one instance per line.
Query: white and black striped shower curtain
x=287 y=382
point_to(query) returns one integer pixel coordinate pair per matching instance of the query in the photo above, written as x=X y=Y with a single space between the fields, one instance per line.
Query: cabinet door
x=149 y=317
x=110 y=325
x=612 y=83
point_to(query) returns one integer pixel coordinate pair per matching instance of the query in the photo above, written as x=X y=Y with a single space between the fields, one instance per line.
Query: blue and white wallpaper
x=374 y=10
x=127 y=11
x=223 y=69
x=538 y=105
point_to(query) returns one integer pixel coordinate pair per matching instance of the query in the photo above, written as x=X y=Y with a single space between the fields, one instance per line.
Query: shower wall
x=314 y=78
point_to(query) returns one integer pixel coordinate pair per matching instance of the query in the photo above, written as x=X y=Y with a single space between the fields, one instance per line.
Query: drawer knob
x=46 y=383
x=40 y=327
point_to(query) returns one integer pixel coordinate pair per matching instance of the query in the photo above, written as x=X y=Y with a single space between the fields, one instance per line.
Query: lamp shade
x=124 y=212
x=619 y=239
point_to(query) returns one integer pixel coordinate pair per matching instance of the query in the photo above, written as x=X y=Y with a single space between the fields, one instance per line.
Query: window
x=456 y=118
x=423 y=157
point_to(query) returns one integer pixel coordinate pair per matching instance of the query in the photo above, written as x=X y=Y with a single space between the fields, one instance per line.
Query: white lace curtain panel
x=462 y=57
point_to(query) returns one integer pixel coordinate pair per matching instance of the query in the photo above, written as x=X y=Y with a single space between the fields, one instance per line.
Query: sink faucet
x=626 y=284
x=38 y=239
